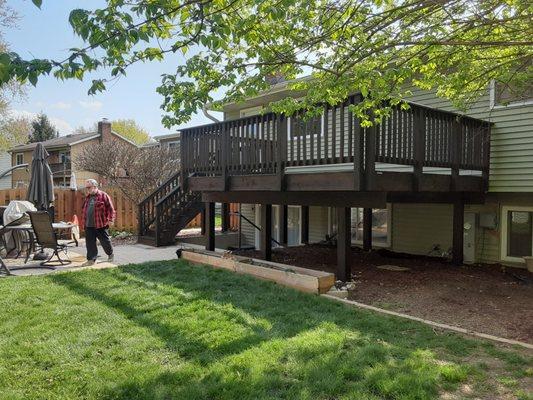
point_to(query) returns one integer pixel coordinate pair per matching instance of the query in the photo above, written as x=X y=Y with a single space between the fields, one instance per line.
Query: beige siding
x=487 y=240
x=247 y=230
x=417 y=228
x=511 y=140
x=318 y=224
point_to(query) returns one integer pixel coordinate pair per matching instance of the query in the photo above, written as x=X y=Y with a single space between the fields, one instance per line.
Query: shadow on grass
x=244 y=338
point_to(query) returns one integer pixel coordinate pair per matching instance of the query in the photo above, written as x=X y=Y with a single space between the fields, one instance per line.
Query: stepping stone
x=392 y=268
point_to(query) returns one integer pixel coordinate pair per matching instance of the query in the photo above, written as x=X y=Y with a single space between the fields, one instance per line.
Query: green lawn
x=169 y=330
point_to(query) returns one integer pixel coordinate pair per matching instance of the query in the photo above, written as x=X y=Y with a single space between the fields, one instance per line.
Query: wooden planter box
x=306 y=280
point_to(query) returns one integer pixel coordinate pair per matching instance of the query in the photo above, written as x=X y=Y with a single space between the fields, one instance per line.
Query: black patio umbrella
x=41 y=189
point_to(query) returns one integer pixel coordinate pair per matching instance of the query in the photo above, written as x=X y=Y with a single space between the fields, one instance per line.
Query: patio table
x=60 y=226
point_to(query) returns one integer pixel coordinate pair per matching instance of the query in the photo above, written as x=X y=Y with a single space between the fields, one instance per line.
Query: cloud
x=91 y=105
x=61 y=105
x=61 y=125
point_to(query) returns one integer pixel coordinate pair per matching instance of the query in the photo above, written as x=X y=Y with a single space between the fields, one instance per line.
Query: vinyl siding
x=417 y=228
x=318 y=224
x=5 y=164
x=247 y=230
x=511 y=140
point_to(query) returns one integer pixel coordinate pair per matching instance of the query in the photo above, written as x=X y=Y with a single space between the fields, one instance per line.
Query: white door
x=469 y=235
x=293 y=225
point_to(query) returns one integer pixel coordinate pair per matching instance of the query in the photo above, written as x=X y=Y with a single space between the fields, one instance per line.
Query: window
x=502 y=94
x=64 y=157
x=20 y=158
x=517 y=233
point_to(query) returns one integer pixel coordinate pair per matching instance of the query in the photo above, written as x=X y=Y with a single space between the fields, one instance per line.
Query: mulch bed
x=490 y=299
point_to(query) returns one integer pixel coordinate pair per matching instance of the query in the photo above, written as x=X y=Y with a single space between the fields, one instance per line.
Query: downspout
x=206 y=113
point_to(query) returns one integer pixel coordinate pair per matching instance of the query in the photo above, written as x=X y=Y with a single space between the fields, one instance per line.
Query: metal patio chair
x=46 y=237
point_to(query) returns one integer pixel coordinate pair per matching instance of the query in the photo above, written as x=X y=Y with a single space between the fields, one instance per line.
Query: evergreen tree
x=42 y=129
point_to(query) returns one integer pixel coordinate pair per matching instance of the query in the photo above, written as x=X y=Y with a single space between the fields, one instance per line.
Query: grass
x=169 y=330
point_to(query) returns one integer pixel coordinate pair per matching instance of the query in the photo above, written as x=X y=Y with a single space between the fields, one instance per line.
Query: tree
x=42 y=129
x=378 y=48
x=14 y=131
x=135 y=171
x=130 y=130
x=12 y=88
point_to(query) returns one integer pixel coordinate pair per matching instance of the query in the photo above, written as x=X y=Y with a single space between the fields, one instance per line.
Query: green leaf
x=38 y=3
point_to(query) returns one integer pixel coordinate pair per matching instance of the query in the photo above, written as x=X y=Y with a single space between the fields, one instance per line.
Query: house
x=62 y=150
x=428 y=180
x=5 y=164
x=170 y=141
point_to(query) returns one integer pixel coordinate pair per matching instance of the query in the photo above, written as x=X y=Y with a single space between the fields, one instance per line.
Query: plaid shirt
x=104 y=212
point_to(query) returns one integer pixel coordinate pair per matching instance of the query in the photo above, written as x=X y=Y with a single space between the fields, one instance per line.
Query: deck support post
x=344 y=238
x=367 y=229
x=305 y=225
x=458 y=232
x=225 y=217
x=202 y=221
x=266 y=232
x=210 y=226
x=283 y=210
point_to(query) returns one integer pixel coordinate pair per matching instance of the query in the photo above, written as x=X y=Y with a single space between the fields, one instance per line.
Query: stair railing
x=147 y=207
x=167 y=211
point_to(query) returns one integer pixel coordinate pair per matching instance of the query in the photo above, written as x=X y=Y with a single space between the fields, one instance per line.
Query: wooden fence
x=69 y=203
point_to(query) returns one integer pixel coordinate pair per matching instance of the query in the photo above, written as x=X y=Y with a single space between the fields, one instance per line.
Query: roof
x=61 y=141
x=67 y=140
x=167 y=136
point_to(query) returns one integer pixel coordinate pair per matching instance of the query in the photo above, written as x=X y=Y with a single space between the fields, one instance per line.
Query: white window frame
x=492 y=99
x=503 y=232
x=388 y=244
x=17 y=158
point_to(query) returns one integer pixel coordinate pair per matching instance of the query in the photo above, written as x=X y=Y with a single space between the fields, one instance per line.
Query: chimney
x=104 y=129
x=274 y=77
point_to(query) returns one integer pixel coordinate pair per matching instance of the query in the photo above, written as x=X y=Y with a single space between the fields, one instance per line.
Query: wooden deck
x=426 y=150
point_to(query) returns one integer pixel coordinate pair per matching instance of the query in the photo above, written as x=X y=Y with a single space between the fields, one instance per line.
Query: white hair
x=92 y=182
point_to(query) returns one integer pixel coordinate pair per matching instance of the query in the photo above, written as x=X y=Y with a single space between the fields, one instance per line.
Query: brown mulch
x=486 y=298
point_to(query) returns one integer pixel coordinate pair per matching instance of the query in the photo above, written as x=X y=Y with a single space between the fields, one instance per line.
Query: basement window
x=517 y=233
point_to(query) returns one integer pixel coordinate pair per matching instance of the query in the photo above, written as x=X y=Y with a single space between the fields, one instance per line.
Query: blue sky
x=46 y=33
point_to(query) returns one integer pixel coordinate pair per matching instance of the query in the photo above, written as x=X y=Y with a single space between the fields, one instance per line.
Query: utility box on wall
x=488 y=220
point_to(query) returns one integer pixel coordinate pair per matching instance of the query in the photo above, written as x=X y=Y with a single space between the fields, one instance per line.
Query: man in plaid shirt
x=98 y=213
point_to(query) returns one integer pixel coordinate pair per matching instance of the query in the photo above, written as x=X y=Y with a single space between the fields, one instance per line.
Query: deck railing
x=418 y=136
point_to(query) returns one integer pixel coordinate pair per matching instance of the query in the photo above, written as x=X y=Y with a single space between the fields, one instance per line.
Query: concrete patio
x=124 y=254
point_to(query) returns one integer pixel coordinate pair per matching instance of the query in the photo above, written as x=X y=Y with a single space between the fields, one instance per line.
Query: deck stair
x=166 y=211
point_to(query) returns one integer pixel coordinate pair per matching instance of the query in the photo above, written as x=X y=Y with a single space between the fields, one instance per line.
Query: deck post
x=224 y=209
x=283 y=210
x=281 y=156
x=370 y=157
x=458 y=232
x=367 y=229
x=344 y=237
x=456 y=151
x=202 y=222
x=210 y=226
x=305 y=225
x=266 y=232
x=419 y=146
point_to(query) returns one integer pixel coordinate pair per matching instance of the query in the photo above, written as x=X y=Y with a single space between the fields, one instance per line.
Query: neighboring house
x=170 y=141
x=62 y=150
x=427 y=181
x=5 y=164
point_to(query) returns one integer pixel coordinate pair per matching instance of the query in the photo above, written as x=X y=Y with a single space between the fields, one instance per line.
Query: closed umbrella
x=41 y=189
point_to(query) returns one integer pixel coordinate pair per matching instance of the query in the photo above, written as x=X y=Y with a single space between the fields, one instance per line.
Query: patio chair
x=46 y=237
